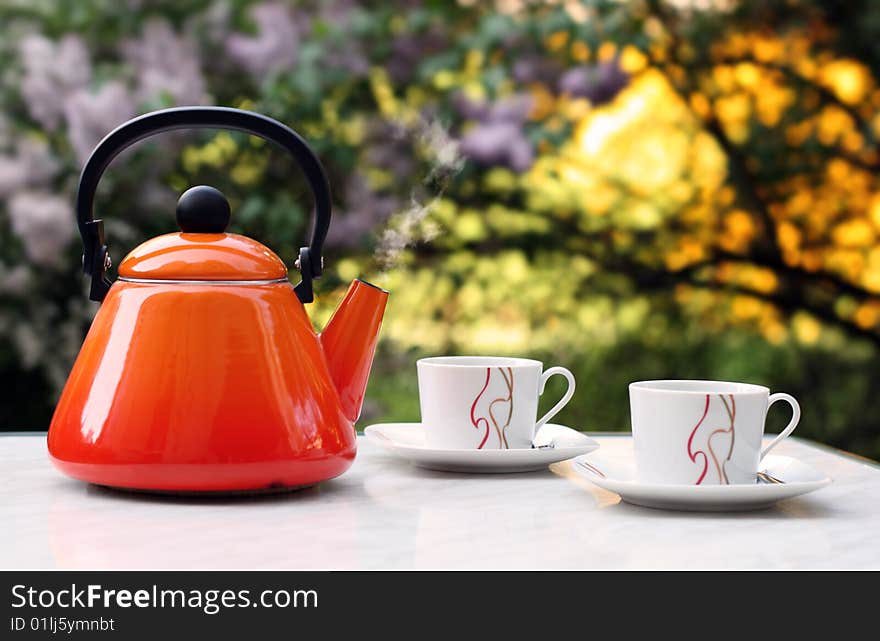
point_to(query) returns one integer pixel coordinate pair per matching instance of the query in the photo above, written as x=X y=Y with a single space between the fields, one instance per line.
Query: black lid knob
x=202 y=210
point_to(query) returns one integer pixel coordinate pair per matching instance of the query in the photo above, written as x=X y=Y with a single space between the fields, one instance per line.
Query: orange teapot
x=201 y=371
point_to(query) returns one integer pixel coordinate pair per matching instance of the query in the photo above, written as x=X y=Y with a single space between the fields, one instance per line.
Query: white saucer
x=618 y=476
x=407 y=441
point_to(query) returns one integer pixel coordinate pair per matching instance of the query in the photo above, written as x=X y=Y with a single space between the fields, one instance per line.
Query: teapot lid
x=202 y=250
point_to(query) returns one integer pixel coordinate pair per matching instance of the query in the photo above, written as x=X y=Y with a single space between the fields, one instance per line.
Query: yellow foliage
x=632 y=60
x=867 y=315
x=757 y=279
x=500 y=180
x=473 y=89
x=380 y=84
x=800 y=202
x=506 y=222
x=838 y=169
x=763 y=280
x=644 y=163
x=352 y=130
x=248 y=172
x=874 y=211
x=378 y=179
x=215 y=153
x=747 y=74
x=806 y=328
x=848 y=79
x=708 y=168
x=811 y=260
x=852 y=141
x=348 y=269
x=443 y=210
x=599 y=201
x=641 y=216
x=724 y=78
x=738 y=44
x=654 y=28
x=557 y=40
x=443 y=79
x=245 y=103
x=573 y=108
x=580 y=52
x=788 y=236
x=543 y=101
x=871 y=279
x=738 y=231
x=796 y=134
x=768 y=49
x=700 y=105
x=739 y=223
x=725 y=196
x=607 y=51
x=833 y=122
x=806 y=67
x=771 y=102
x=680 y=191
x=845 y=261
x=469 y=227
x=773 y=330
x=745 y=307
x=734 y=108
x=854 y=233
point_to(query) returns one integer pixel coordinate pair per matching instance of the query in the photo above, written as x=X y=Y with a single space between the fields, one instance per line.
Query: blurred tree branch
x=801 y=283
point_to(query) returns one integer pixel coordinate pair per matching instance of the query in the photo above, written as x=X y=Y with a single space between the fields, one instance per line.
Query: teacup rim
x=740 y=388
x=458 y=361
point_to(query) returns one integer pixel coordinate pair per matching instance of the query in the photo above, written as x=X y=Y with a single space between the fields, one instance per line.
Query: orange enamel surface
x=182 y=256
x=349 y=342
x=201 y=388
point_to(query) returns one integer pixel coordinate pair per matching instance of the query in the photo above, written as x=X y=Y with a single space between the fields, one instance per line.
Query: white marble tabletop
x=385 y=514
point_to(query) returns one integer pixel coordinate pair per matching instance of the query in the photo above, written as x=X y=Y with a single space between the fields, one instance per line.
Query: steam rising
x=408 y=227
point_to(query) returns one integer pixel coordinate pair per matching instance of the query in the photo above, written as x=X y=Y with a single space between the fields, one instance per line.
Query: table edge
x=818 y=445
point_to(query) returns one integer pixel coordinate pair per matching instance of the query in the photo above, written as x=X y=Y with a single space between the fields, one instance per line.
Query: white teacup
x=702 y=432
x=484 y=402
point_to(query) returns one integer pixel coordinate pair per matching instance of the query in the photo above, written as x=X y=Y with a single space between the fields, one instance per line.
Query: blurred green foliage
x=633 y=190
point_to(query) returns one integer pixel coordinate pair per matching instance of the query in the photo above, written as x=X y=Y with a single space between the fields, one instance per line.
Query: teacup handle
x=795 y=418
x=565 y=397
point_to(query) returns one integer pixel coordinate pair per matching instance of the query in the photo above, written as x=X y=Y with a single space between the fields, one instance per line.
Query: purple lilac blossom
x=389 y=147
x=32 y=164
x=408 y=49
x=498 y=143
x=91 y=116
x=56 y=89
x=274 y=47
x=365 y=211
x=498 y=137
x=535 y=68
x=599 y=83
x=44 y=224
x=51 y=72
x=15 y=279
x=166 y=64
x=469 y=109
x=345 y=52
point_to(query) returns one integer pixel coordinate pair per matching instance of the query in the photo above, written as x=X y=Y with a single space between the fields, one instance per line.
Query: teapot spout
x=349 y=343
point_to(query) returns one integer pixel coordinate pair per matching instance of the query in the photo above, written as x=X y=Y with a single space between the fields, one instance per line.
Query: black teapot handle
x=96 y=260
